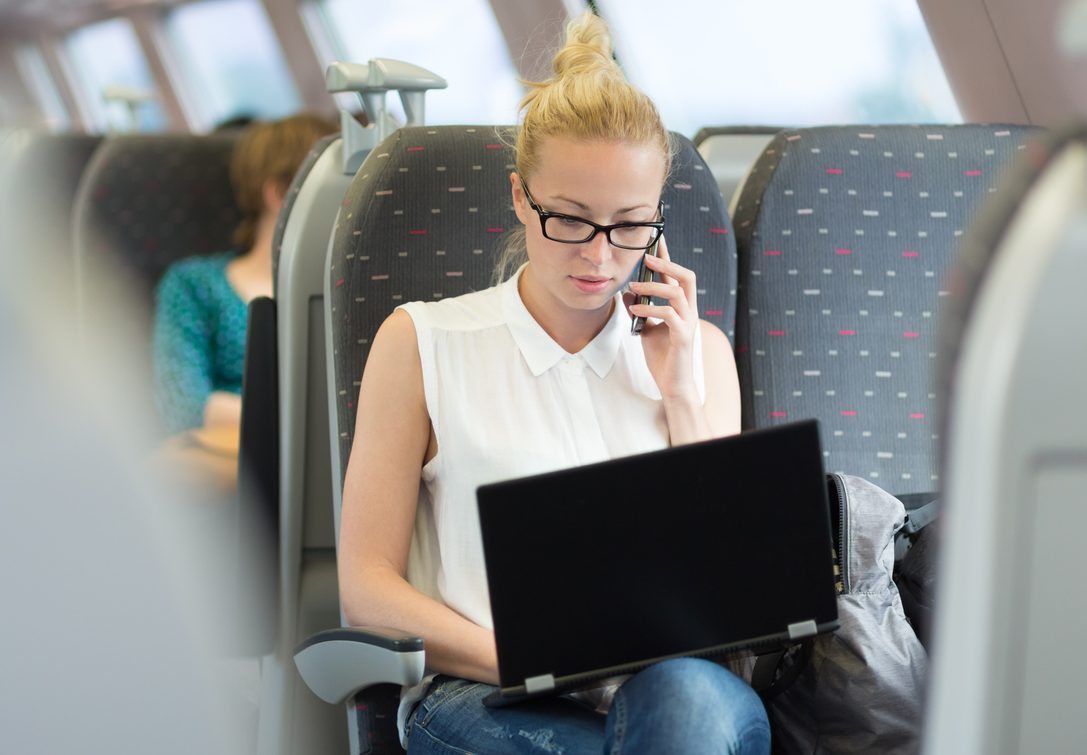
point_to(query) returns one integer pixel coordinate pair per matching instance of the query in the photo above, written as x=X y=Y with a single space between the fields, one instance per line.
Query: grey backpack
x=860 y=690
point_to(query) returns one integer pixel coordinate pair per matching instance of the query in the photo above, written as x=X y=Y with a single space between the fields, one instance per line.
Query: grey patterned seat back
x=422 y=221
x=845 y=235
x=146 y=201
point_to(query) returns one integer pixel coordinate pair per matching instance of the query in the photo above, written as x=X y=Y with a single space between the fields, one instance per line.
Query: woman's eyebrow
x=581 y=206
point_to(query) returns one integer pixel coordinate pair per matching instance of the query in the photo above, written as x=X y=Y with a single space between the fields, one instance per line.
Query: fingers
x=662 y=254
x=670 y=292
x=670 y=274
x=658 y=313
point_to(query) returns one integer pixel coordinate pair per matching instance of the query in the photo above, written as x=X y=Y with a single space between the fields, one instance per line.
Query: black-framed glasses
x=570 y=229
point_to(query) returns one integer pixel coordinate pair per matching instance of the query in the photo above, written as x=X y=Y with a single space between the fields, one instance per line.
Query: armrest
x=337 y=663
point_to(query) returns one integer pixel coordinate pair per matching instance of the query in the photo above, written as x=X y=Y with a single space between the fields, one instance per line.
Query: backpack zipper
x=841 y=560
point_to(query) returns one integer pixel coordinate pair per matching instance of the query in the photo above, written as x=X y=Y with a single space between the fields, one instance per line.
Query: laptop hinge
x=802 y=629
x=541 y=683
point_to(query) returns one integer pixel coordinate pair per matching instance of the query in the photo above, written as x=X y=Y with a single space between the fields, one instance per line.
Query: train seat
x=284 y=448
x=1007 y=673
x=844 y=238
x=285 y=437
x=421 y=221
x=730 y=151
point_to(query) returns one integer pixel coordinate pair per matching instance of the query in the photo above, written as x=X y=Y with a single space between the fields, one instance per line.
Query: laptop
x=697 y=550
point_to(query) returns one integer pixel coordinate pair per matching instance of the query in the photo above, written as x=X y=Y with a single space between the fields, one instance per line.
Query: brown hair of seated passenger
x=270 y=151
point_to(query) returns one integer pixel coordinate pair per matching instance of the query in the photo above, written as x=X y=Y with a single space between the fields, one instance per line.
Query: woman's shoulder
x=199 y=267
x=470 y=311
x=713 y=334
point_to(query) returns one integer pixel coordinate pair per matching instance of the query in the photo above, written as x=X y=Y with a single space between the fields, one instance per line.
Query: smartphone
x=645 y=275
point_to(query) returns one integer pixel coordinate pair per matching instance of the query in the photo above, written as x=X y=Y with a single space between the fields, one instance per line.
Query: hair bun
x=588 y=48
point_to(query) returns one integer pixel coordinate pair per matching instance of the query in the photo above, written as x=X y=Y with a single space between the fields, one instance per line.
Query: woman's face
x=605 y=182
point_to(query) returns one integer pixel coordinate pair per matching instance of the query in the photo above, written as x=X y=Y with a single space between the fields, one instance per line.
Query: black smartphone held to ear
x=645 y=275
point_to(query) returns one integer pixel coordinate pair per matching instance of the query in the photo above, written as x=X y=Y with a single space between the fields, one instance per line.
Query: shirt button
x=573 y=364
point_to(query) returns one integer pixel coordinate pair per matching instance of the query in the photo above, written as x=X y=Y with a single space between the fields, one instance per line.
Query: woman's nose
x=597 y=249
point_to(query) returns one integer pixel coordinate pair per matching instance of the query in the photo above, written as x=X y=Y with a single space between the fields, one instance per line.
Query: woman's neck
x=572 y=329
x=261 y=250
x=251 y=272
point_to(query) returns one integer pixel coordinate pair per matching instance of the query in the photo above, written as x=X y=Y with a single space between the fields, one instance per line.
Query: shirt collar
x=541 y=352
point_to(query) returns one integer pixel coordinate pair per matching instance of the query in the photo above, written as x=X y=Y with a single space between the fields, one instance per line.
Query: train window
x=232 y=74
x=459 y=41
x=108 y=68
x=35 y=73
x=785 y=62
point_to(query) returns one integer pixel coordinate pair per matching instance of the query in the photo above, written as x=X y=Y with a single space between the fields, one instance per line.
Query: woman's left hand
x=669 y=342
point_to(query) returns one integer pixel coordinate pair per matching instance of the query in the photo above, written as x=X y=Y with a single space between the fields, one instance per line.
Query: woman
x=537 y=373
x=201 y=307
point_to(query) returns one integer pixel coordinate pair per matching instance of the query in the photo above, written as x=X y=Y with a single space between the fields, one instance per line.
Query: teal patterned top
x=199 y=339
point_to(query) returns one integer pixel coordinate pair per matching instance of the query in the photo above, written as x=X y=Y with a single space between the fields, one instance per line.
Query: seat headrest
x=149 y=200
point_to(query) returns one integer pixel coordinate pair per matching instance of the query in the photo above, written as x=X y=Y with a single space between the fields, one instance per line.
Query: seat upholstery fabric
x=844 y=237
x=146 y=201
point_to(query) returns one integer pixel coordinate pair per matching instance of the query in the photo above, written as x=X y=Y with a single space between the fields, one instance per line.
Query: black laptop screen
x=658 y=554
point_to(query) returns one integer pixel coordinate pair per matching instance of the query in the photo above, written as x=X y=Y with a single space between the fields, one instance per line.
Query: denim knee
x=688 y=705
x=453 y=719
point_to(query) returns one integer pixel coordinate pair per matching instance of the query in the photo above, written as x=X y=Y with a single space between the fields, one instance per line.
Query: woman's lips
x=590 y=284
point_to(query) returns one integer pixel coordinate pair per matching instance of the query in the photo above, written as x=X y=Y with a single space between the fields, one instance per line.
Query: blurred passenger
x=472 y=389
x=201 y=307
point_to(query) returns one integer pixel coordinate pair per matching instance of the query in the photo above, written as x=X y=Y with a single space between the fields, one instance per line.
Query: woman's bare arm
x=391 y=442
x=223 y=408
x=722 y=404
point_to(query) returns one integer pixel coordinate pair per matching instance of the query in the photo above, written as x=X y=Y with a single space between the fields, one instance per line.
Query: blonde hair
x=587 y=99
x=269 y=151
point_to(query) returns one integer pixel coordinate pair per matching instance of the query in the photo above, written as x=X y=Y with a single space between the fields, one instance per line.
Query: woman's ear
x=517 y=192
x=272 y=193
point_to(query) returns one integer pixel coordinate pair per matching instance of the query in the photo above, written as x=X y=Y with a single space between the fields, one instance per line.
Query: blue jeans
x=686 y=705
